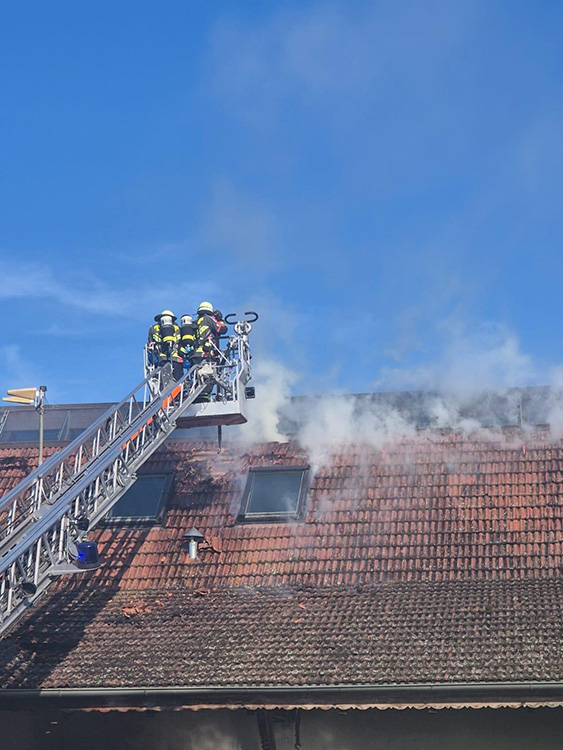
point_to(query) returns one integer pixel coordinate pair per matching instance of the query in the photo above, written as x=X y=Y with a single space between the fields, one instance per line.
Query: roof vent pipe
x=194 y=537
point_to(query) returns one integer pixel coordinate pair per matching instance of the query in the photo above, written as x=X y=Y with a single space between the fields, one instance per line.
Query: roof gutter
x=437 y=695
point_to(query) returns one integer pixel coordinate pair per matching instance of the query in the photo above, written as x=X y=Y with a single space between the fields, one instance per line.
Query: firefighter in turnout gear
x=170 y=334
x=209 y=327
x=169 y=331
x=187 y=337
x=208 y=330
x=164 y=337
x=155 y=354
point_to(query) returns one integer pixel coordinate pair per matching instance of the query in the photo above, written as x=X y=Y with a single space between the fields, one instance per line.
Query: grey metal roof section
x=63 y=422
x=510 y=407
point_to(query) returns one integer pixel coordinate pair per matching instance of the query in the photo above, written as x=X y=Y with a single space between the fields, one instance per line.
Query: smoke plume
x=479 y=385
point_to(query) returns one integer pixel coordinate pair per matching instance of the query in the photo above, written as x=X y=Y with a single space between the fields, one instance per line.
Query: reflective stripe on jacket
x=154 y=334
x=207 y=335
x=170 y=334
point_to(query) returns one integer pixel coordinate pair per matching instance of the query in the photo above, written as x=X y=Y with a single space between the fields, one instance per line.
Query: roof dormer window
x=274 y=494
x=144 y=501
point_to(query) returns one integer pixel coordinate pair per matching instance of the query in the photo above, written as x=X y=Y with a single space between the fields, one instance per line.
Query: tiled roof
x=15 y=464
x=393 y=633
x=433 y=559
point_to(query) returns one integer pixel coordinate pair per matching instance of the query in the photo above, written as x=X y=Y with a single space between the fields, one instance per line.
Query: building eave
x=431 y=695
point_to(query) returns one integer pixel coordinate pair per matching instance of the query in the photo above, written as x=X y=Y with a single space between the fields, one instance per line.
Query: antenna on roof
x=32 y=397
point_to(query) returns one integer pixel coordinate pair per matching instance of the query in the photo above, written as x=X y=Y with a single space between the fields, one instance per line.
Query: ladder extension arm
x=46 y=482
x=42 y=517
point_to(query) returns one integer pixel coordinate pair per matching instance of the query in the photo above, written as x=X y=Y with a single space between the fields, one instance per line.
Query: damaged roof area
x=433 y=560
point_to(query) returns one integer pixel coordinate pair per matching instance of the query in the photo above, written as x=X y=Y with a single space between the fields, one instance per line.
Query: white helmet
x=165 y=313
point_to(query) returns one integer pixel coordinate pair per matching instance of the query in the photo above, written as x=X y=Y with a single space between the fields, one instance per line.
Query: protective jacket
x=154 y=334
x=187 y=343
x=170 y=333
x=208 y=330
x=157 y=355
x=165 y=340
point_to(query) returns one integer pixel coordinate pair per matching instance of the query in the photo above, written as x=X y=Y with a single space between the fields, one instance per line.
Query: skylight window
x=274 y=494
x=21 y=425
x=144 y=501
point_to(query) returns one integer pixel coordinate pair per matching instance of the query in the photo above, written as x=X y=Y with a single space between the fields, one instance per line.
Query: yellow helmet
x=205 y=307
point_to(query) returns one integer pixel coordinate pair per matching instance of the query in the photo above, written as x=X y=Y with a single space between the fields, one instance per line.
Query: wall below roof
x=463 y=729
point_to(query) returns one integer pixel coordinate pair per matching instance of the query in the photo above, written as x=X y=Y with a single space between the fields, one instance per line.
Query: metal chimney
x=194 y=537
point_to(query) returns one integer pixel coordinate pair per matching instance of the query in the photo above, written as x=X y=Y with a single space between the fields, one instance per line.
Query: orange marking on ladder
x=168 y=400
x=137 y=433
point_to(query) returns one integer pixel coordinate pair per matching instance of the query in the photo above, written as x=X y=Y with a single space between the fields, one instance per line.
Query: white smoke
x=472 y=387
x=331 y=422
x=273 y=383
x=554 y=405
x=487 y=357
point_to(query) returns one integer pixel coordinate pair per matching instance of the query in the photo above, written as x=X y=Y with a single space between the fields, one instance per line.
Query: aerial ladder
x=45 y=519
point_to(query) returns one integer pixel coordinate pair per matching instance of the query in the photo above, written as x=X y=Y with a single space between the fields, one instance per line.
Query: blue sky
x=381 y=181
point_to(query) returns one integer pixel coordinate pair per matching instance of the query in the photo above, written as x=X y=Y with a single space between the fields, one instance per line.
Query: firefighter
x=169 y=331
x=166 y=337
x=186 y=343
x=208 y=330
x=187 y=336
x=170 y=334
x=156 y=356
x=209 y=327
